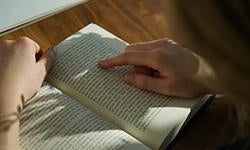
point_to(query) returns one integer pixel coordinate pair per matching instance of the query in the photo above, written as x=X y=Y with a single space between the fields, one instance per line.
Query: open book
x=84 y=107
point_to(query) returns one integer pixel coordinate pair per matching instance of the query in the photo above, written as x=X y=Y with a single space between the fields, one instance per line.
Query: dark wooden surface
x=134 y=21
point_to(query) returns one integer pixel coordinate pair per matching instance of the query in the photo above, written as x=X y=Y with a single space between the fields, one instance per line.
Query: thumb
x=145 y=82
x=45 y=62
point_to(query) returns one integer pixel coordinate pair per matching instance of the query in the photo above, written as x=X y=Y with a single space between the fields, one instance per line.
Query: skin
x=161 y=66
x=23 y=68
x=164 y=67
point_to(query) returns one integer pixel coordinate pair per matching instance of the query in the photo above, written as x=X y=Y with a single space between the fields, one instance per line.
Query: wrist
x=9 y=123
x=10 y=104
x=9 y=131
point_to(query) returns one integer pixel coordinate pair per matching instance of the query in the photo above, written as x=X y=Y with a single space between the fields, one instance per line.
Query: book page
x=54 y=121
x=148 y=116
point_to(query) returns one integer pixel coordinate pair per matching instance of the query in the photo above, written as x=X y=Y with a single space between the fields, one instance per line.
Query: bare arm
x=21 y=75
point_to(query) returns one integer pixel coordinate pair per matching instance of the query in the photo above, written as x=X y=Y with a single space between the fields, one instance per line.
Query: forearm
x=9 y=133
x=21 y=75
x=9 y=125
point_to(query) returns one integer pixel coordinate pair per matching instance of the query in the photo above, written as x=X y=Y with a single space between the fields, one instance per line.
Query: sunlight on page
x=81 y=74
x=53 y=120
x=106 y=92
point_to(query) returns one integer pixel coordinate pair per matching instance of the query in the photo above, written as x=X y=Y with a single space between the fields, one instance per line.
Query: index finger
x=28 y=44
x=135 y=58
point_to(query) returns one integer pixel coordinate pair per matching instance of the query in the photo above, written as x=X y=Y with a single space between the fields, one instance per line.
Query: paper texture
x=54 y=121
x=147 y=116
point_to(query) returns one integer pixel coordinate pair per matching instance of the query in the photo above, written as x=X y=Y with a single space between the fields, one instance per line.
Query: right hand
x=164 y=67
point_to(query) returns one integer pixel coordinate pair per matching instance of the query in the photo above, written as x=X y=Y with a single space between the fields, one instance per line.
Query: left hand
x=22 y=71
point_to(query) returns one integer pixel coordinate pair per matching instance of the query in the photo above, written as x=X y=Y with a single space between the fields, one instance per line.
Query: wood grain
x=134 y=21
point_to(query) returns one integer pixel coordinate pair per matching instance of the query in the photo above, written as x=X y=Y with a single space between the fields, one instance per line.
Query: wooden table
x=134 y=21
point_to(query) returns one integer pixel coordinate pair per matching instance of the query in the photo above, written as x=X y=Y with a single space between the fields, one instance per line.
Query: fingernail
x=128 y=78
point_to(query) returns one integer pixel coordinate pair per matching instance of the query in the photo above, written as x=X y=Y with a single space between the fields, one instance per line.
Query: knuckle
x=26 y=43
x=21 y=44
x=24 y=40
